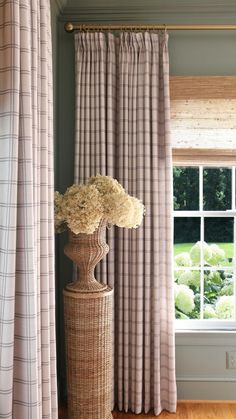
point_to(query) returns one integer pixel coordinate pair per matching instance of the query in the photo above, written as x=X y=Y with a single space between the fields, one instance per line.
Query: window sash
x=205 y=214
x=209 y=324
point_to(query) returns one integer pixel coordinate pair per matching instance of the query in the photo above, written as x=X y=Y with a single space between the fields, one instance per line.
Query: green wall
x=191 y=53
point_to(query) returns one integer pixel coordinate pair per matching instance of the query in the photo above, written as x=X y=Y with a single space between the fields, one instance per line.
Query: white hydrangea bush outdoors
x=218 y=284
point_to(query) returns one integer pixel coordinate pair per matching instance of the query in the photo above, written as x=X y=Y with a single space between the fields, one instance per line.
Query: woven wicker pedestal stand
x=88 y=331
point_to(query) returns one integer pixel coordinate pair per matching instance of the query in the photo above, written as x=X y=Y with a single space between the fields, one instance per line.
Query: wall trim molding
x=150 y=13
x=60 y=4
x=153 y=12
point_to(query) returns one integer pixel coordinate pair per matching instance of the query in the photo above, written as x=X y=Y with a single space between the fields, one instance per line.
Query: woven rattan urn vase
x=88 y=330
x=86 y=250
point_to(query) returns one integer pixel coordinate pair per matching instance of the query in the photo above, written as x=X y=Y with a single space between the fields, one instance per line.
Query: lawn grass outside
x=185 y=247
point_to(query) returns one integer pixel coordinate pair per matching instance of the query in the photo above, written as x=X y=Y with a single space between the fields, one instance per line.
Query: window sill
x=204 y=332
x=205 y=325
x=215 y=338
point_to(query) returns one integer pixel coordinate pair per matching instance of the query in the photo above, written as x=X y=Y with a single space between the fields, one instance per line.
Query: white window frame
x=209 y=324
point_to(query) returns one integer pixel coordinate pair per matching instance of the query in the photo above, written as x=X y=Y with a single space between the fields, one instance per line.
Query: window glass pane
x=218 y=295
x=217 y=189
x=186 y=233
x=187 y=294
x=218 y=234
x=186 y=188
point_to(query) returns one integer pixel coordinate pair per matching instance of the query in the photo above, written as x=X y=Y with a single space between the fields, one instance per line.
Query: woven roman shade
x=203 y=119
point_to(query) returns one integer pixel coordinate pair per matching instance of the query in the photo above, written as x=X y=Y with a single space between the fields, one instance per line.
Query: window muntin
x=205 y=277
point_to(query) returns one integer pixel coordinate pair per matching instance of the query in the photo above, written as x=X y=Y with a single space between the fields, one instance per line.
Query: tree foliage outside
x=216 y=189
x=186 y=188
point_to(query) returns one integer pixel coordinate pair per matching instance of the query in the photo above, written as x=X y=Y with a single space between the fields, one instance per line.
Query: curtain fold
x=95 y=110
x=28 y=387
x=123 y=130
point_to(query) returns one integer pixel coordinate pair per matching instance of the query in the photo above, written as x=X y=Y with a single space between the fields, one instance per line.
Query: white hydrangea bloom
x=123 y=210
x=82 y=208
x=209 y=312
x=189 y=278
x=214 y=277
x=227 y=290
x=106 y=185
x=177 y=275
x=183 y=277
x=195 y=279
x=195 y=253
x=218 y=254
x=184 y=298
x=175 y=291
x=183 y=259
x=138 y=212
x=225 y=307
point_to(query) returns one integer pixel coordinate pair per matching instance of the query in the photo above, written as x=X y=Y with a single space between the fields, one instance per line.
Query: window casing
x=203 y=127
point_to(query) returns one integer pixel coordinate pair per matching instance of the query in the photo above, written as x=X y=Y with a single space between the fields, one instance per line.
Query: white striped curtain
x=123 y=130
x=28 y=388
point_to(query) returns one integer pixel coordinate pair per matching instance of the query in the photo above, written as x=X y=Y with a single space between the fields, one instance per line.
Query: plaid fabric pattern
x=123 y=130
x=28 y=388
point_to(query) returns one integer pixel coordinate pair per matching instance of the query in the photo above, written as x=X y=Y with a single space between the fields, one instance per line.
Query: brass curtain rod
x=70 y=27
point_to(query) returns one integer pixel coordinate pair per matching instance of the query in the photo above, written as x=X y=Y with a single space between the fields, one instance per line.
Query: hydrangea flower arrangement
x=82 y=207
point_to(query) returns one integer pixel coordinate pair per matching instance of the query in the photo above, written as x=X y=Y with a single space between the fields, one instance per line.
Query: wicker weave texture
x=88 y=330
x=86 y=250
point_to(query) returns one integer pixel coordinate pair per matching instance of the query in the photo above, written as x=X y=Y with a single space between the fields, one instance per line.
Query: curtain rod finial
x=69 y=27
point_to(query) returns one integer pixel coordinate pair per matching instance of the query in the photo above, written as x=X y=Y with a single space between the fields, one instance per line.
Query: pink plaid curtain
x=123 y=130
x=28 y=388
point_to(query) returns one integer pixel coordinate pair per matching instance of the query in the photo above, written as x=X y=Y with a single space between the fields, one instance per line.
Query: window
x=205 y=246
